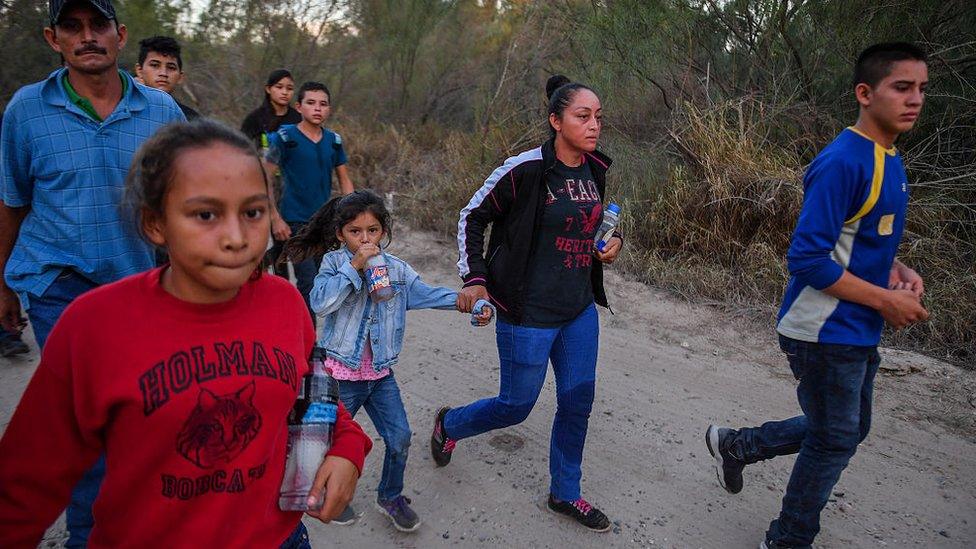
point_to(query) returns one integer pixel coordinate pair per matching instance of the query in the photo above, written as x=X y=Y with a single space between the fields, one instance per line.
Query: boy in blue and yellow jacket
x=845 y=284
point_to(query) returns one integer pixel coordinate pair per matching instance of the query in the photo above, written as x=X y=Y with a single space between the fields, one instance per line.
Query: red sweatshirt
x=187 y=401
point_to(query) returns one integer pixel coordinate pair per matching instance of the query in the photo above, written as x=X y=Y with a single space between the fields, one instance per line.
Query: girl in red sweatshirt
x=182 y=376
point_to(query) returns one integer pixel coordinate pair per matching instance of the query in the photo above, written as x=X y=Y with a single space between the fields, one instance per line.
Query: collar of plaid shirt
x=86 y=105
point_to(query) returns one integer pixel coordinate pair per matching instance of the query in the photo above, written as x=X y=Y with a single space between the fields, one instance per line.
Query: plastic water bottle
x=378 y=278
x=310 y=425
x=611 y=216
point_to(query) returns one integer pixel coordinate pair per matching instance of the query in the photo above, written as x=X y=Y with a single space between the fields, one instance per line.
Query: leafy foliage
x=714 y=108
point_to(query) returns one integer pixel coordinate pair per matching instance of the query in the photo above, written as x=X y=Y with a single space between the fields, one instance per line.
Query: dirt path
x=667 y=370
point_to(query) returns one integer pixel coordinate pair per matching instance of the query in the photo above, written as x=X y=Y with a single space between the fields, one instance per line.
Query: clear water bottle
x=310 y=425
x=378 y=278
x=611 y=216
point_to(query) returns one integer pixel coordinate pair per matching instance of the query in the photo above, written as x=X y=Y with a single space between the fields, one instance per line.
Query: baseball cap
x=103 y=6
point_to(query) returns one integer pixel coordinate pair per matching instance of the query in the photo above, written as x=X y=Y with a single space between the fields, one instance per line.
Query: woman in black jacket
x=545 y=276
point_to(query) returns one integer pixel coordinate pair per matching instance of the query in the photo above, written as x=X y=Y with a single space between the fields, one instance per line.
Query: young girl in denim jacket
x=362 y=338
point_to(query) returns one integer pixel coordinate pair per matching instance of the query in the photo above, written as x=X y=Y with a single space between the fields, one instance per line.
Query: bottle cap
x=613 y=208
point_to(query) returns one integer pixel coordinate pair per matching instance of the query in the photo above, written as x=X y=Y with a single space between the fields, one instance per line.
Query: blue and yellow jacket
x=855 y=195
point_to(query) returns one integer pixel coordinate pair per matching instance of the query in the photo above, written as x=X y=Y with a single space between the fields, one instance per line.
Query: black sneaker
x=582 y=512
x=399 y=512
x=727 y=467
x=347 y=517
x=440 y=445
x=12 y=344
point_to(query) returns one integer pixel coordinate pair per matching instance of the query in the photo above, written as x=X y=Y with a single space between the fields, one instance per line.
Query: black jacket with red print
x=512 y=200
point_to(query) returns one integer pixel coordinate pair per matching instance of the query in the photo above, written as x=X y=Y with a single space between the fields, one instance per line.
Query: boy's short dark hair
x=313 y=86
x=875 y=62
x=163 y=45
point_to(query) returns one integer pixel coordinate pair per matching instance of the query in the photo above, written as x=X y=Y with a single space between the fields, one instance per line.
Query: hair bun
x=555 y=82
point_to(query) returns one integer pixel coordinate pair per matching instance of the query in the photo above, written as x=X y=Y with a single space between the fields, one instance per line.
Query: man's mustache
x=91 y=49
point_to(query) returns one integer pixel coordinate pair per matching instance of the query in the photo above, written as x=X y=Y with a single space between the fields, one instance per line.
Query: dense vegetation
x=714 y=107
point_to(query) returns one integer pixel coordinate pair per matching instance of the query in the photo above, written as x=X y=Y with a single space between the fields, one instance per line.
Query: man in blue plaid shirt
x=65 y=148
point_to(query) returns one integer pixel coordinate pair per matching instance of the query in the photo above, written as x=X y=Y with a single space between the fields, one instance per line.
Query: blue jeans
x=835 y=392
x=44 y=312
x=298 y=539
x=381 y=398
x=525 y=353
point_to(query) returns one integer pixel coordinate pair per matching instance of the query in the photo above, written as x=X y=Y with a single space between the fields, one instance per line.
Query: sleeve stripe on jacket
x=479 y=197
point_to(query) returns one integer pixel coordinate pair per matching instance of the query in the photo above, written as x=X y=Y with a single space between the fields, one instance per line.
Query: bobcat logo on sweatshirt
x=220 y=427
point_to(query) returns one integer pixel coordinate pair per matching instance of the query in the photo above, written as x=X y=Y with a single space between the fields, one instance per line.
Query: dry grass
x=435 y=173
x=948 y=265
x=717 y=223
x=708 y=210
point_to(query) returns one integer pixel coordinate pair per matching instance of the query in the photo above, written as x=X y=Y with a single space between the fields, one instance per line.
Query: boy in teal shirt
x=306 y=154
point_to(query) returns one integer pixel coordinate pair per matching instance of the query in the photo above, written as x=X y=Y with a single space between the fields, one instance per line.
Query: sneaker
x=399 y=512
x=727 y=467
x=582 y=512
x=12 y=344
x=347 y=517
x=440 y=445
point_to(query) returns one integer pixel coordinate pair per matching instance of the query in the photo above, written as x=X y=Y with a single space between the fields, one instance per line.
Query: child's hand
x=279 y=228
x=484 y=317
x=363 y=254
x=336 y=481
x=481 y=312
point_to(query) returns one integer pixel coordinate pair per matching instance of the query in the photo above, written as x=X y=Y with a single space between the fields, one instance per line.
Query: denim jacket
x=348 y=316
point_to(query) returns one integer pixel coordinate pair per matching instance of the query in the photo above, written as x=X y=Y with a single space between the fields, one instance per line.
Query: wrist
x=880 y=299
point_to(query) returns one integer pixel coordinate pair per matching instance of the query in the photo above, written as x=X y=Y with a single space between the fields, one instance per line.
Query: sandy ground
x=667 y=369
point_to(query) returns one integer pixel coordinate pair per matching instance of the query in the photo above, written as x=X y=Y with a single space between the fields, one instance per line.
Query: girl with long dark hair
x=276 y=108
x=362 y=338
